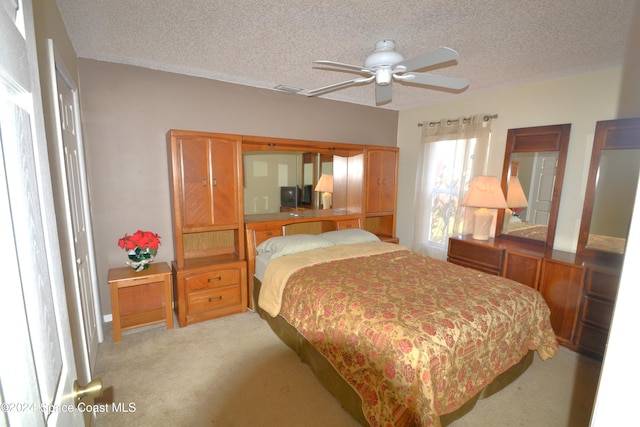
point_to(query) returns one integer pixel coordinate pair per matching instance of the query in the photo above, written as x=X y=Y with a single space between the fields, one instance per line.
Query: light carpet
x=234 y=371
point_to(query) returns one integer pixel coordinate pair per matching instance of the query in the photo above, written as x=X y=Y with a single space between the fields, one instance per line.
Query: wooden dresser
x=601 y=288
x=580 y=293
x=209 y=268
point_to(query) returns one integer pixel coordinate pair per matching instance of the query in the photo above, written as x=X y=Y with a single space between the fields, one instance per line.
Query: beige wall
x=581 y=101
x=127 y=111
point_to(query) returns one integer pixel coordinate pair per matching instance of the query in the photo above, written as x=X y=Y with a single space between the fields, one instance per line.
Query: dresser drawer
x=602 y=284
x=215 y=299
x=592 y=339
x=212 y=279
x=597 y=312
x=349 y=223
x=481 y=257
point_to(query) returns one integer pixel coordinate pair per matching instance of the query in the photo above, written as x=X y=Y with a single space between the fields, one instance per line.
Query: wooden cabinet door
x=209 y=175
x=523 y=268
x=381 y=180
x=224 y=174
x=196 y=194
x=561 y=287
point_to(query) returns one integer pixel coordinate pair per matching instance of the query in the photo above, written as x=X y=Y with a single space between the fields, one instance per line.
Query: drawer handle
x=218 y=298
x=349 y=225
x=268 y=233
x=211 y=279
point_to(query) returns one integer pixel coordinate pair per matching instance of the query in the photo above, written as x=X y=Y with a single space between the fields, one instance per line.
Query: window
x=452 y=153
x=452 y=172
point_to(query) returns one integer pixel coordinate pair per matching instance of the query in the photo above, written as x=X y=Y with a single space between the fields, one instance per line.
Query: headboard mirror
x=532 y=177
x=283 y=175
x=611 y=188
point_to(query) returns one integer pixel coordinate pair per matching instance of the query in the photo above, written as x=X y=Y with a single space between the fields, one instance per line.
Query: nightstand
x=140 y=298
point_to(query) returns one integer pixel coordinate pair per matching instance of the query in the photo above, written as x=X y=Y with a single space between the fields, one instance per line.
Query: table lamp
x=515 y=194
x=325 y=186
x=484 y=193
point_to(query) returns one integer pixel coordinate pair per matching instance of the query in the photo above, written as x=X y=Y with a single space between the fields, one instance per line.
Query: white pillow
x=349 y=236
x=289 y=245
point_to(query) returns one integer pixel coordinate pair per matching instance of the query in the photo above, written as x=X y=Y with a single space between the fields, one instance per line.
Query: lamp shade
x=515 y=194
x=325 y=184
x=484 y=192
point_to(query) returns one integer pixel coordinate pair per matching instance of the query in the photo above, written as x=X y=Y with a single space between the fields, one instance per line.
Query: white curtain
x=452 y=152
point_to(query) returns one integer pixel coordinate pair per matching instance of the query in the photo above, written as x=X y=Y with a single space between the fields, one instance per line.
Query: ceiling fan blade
x=341 y=65
x=456 y=83
x=340 y=85
x=437 y=56
x=383 y=94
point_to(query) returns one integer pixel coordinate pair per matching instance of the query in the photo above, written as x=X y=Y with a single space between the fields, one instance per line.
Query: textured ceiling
x=264 y=44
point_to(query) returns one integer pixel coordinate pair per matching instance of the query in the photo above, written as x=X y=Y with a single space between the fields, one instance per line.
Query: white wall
x=581 y=101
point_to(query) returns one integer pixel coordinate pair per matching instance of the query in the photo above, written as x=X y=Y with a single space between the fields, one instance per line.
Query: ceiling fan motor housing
x=382 y=60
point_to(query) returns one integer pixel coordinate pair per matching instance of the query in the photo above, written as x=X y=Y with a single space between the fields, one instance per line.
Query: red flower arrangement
x=141 y=248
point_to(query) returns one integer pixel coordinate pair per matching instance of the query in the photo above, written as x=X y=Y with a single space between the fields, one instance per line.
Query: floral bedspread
x=530 y=231
x=600 y=242
x=414 y=336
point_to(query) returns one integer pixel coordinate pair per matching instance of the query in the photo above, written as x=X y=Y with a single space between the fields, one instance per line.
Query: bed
x=600 y=242
x=397 y=337
x=519 y=228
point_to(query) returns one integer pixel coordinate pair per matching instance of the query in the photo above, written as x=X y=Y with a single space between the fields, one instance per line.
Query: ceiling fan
x=385 y=64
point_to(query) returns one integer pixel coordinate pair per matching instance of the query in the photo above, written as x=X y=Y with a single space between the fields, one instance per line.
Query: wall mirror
x=532 y=177
x=284 y=176
x=611 y=188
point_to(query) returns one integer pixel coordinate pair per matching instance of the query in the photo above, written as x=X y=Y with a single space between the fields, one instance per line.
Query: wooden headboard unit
x=259 y=228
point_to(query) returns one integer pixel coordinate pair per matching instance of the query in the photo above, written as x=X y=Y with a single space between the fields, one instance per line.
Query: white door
x=542 y=183
x=37 y=369
x=77 y=209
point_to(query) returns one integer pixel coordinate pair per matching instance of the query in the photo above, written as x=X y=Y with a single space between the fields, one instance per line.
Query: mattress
x=261 y=265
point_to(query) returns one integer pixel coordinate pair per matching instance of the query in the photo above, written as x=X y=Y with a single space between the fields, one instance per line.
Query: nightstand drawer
x=213 y=279
x=349 y=223
x=199 y=302
x=261 y=236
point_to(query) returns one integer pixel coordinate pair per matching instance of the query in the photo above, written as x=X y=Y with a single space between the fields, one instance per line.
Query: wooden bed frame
x=258 y=232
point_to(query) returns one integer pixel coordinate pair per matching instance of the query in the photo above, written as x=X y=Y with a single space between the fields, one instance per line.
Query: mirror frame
x=620 y=134
x=530 y=140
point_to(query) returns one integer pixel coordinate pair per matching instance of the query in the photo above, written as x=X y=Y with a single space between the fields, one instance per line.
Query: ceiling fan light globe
x=383 y=76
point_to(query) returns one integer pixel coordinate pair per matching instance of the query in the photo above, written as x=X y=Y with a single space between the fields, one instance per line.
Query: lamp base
x=482 y=219
x=326 y=200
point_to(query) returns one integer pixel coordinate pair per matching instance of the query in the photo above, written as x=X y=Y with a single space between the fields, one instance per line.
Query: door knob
x=93 y=389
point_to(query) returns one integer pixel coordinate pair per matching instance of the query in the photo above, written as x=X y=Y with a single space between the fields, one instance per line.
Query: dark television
x=290 y=196
x=307 y=193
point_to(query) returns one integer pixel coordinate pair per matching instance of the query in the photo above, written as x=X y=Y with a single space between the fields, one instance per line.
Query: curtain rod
x=485 y=118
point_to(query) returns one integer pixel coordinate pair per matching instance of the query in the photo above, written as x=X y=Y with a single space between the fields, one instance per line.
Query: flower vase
x=139 y=259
